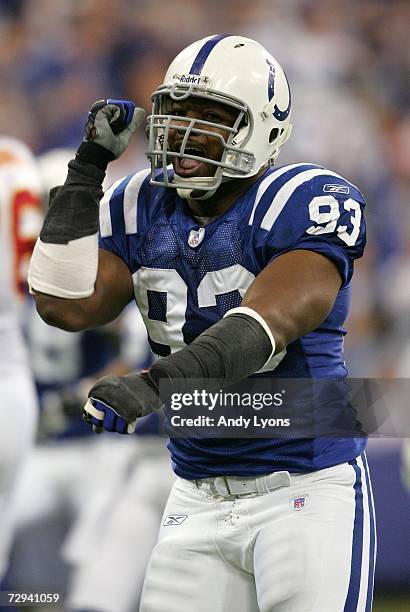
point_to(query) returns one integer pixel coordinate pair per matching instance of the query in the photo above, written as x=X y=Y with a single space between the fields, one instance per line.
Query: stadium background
x=348 y=66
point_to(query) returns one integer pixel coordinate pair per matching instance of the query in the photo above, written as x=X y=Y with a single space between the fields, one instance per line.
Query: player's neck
x=205 y=211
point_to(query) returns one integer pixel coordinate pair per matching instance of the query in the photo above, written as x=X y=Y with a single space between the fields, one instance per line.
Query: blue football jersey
x=186 y=278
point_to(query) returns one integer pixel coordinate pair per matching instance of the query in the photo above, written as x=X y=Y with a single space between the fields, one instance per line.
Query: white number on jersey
x=218 y=282
x=168 y=281
x=324 y=211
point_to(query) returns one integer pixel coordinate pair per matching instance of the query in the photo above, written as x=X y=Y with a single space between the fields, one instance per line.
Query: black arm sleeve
x=73 y=209
x=227 y=352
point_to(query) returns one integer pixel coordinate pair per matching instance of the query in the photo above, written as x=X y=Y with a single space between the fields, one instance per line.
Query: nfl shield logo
x=298 y=503
x=196 y=236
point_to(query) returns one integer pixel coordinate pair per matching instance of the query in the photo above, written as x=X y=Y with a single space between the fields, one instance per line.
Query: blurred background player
x=20 y=221
x=60 y=506
x=75 y=528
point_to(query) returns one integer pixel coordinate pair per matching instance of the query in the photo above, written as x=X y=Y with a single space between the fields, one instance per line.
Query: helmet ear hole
x=273 y=135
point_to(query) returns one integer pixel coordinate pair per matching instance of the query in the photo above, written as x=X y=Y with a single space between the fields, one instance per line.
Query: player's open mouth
x=189 y=167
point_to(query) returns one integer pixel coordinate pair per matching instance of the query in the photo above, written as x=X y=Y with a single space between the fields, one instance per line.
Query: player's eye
x=178 y=111
x=212 y=116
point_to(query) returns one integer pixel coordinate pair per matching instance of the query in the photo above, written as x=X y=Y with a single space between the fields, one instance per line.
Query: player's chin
x=197 y=168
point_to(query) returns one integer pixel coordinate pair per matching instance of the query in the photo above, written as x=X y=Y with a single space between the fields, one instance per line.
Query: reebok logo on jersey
x=336 y=188
x=174 y=519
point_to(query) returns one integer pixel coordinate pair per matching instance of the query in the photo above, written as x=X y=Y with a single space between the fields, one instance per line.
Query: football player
x=20 y=223
x=240 y=269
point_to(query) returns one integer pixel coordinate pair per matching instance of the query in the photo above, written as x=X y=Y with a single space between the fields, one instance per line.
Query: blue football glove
x=104 y=418
x=116 y=402
x=111 y=124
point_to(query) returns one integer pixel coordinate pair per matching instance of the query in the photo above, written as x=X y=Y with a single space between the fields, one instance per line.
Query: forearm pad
x=65 y=259
x=65 y=270
x=229 y=351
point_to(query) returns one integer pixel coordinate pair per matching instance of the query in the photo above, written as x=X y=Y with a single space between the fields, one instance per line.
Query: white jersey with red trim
x=20 y=223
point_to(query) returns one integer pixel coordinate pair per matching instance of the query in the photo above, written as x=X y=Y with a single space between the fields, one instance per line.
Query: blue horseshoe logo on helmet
x=279 y=114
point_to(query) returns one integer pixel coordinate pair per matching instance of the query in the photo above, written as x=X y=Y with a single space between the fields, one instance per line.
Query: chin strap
x=195 y=194
x=188 y=193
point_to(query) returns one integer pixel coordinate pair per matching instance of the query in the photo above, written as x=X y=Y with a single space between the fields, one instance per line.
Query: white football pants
x=305 y=547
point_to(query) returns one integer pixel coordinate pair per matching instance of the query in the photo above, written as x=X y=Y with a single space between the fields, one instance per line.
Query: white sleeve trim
x=255 y=315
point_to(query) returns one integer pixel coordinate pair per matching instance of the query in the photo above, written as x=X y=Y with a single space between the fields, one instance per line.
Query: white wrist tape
x=65 y=270
x=255 y=315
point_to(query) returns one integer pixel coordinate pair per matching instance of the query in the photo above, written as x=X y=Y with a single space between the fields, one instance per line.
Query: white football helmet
x=235 y=71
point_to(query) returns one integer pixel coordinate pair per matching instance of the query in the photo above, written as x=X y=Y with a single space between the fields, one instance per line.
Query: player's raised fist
x=111 y=124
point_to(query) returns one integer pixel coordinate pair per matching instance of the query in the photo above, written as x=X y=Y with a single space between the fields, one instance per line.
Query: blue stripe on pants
x=357 y=544
x=372 y=552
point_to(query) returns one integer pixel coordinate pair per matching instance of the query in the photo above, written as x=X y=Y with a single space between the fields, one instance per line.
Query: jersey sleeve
x=319 y=211
x=118 y=215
